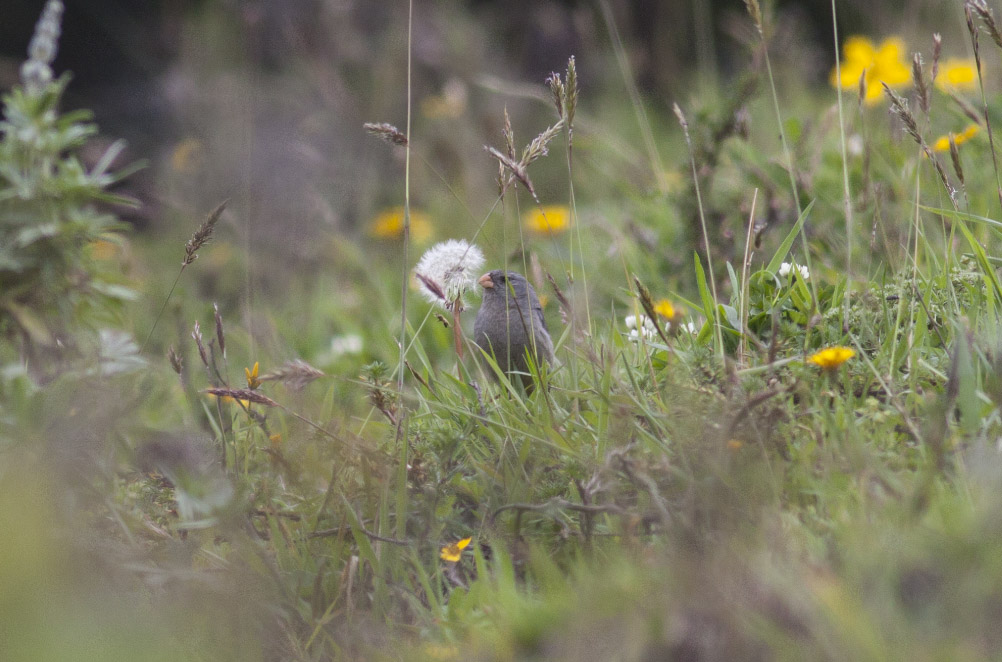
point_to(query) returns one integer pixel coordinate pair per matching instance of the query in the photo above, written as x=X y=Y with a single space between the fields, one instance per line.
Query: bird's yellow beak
x=485 y=281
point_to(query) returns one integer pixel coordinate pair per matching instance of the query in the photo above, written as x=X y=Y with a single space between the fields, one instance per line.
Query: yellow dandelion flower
x=389 y=224
x=875 y=64
x=957 y=74
x=275 y=439
x=830 y=358
x=450 y=104
x=550 y=220
x=453 y=552
x=252 y=381
x=187 y=155
x=665 y=309
x=103 y=250
x=735 y=444
x=942 y=144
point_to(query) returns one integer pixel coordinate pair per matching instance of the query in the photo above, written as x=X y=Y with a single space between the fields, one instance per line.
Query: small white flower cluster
x=786 y=269
x=350 y=343
x=452 y=266
x=645 y=327
x=36 y=72
x=855 y=144
x=642 y=325
x=342 y=345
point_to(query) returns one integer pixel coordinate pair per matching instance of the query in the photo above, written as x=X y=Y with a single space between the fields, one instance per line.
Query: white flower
x=342 y=345
x=646 y=326
x=36 y=72
x=350 y=343
x=447 y=270
x=689 y=327
x=786 y=268
x=854 y=145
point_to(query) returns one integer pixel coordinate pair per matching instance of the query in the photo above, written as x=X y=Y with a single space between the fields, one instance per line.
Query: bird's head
x=498 y=281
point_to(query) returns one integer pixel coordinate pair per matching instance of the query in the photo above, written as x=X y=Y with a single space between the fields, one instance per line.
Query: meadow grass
x=796 y=459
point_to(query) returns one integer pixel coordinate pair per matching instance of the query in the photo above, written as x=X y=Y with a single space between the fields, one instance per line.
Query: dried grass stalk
x=295 y=374
x=202 y=235
x=386 y=132
x=242 y=394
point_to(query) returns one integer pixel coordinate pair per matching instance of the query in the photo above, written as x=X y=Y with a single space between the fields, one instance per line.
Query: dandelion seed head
x=453 y=266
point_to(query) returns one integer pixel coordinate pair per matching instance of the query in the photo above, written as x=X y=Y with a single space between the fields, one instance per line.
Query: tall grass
x=785 y=463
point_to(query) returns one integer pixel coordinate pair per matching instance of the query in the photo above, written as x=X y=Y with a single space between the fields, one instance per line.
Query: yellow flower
x=830 y=358
x=275 y=439
x=252 y=381
x=550 y=220
x=665 y=309
x=102 y=249
x=959 y=74
x=876 y=64
x=448 y=105
x=735 y=444
x=942 y=143
x=441 y=652
x=389 y=224
x=187 y=155
x=228 y=399
x=453 y=552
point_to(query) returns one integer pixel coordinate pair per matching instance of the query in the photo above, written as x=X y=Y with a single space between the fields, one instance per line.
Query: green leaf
x=704 y=291
x=784 y=248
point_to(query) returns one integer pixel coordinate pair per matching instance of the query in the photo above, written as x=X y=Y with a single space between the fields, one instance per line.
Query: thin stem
x=846 y=200
x=162 y=308
x=706 y=235
x=405 y=270
x=638 y=106
x=744 y=277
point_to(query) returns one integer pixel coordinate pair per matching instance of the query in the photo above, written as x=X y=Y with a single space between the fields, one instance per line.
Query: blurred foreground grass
x=799 y=460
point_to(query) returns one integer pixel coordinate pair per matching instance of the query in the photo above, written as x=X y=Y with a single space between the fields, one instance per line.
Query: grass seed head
x=176 y=363
x=921 y=89
x=386 y=132
x=570 y=93
x=295 y=374
x=755 y=11
x=202 y=235
x=197 y=335
x=937 y=50
x=220 y=336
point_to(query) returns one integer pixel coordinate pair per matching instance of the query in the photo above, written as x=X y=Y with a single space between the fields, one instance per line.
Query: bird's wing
x=537 y=312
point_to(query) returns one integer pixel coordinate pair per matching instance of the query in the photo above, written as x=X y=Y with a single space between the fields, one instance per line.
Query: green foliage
x=51 y=284
x=702 y=492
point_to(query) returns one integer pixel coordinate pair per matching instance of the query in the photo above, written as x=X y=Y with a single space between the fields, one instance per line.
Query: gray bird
x=509 y=322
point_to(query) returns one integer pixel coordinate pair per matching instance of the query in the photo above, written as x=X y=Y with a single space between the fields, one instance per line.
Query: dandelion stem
x=405 y=270
x=457 y=330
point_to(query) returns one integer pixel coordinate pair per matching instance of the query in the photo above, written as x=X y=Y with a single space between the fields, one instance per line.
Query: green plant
x=53 y=284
